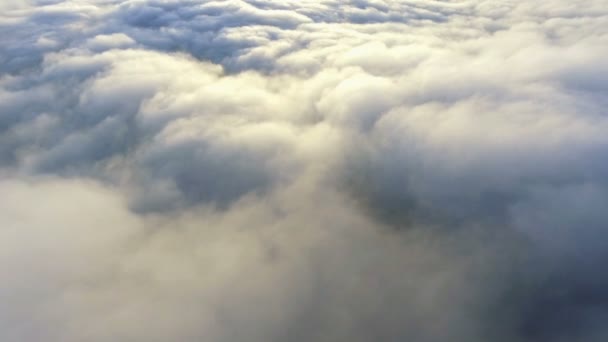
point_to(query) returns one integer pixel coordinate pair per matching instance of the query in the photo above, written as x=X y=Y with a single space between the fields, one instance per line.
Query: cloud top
x=266 y=170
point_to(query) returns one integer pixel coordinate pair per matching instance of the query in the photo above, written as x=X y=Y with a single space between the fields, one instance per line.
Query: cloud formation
x=266 y=170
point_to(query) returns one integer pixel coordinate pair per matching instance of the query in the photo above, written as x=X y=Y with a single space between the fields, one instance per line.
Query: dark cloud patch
x=207 y=173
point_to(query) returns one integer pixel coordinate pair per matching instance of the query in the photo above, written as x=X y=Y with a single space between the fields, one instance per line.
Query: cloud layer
x=362 y=170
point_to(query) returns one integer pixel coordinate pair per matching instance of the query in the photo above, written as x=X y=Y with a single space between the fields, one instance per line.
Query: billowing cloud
x=268 y=170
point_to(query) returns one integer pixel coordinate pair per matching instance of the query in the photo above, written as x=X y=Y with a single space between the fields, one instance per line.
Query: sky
x=329 y=171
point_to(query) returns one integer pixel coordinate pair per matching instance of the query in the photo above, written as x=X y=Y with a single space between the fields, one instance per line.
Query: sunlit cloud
x=266 y=170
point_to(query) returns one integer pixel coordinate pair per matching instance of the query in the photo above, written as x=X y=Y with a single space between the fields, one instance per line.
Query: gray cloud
x=295 y=171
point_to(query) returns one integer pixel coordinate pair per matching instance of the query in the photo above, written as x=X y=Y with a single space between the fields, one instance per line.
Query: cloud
x=310 y=170
x=308 y=264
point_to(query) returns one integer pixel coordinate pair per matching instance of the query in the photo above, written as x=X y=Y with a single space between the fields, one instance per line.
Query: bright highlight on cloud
x=258 y=171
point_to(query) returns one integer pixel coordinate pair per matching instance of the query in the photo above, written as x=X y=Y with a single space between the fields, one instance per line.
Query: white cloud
x=303 y=170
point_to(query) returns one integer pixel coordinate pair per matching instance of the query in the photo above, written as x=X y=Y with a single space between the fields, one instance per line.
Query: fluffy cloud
x=303 y=170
